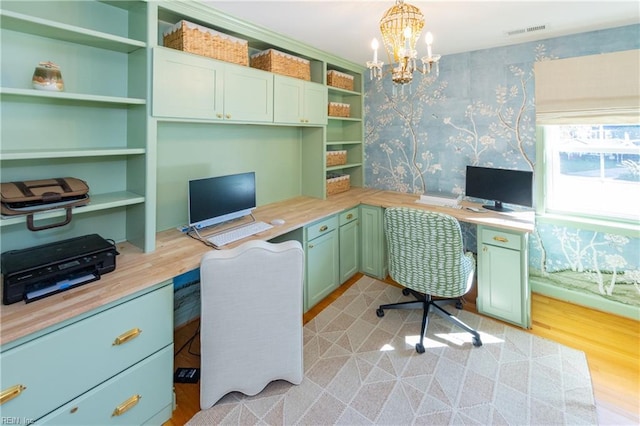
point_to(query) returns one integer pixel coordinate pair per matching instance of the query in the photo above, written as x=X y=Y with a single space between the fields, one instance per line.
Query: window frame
x=628 y=227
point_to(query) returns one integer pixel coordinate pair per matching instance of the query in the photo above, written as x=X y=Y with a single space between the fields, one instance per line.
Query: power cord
x=190 y=342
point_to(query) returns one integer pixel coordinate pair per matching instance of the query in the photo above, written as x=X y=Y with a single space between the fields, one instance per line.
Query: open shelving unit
x=346 y=133
x=94 y=130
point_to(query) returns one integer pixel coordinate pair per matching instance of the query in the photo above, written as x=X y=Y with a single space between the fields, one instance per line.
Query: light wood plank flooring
x=611 y=343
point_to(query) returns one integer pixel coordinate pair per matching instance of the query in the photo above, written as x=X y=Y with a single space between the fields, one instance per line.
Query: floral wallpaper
x=480 y=110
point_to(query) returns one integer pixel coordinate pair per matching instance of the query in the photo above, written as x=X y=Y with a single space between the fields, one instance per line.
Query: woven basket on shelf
x=336 y=158
x=337 y=183
x=281 y=63
x=194 y=38
x=338 y=109
x=340 y=80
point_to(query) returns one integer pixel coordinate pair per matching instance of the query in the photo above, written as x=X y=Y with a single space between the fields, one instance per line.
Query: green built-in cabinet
x=194 y=87
x=332 y=247
x=299 y=102
x=184 y=85
x=111 y=365
x=95 y=130
x=373 y=258
x=137 y=120
x=322 y=250
x=503 y=286
x=349 y=243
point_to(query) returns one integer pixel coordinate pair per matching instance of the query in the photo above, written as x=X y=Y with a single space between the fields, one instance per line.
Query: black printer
x=36 y=272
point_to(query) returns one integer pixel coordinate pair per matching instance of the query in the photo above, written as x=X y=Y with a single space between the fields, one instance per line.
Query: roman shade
x=595 y=89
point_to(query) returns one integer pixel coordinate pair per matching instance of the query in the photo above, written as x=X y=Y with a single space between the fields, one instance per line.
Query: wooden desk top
x=176 y=253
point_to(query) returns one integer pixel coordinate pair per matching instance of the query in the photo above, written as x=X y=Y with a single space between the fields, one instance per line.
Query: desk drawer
x=321 y=227
x=61 y=365
x=500 y=238
x=129 y=398
x=349 y=216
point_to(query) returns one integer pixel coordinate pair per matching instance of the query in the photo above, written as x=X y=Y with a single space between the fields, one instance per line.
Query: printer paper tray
x=63 y=285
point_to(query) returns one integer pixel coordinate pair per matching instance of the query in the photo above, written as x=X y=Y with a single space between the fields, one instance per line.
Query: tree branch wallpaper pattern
x=480 y=111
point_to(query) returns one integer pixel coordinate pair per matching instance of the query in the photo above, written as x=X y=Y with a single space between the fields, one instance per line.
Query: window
x=592 y=171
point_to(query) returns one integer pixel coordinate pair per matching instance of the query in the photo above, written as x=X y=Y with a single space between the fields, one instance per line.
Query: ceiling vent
x=526 y=30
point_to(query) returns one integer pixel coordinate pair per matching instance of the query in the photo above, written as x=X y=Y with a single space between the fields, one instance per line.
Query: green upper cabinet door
x=186 y=86
x=299 y=102
x=248 y=94
x=194 y=87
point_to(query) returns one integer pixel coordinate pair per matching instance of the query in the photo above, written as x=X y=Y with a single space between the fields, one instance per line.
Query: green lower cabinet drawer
x=349 y=216
x=130 y=398
x=501 y=238
x=321 y=227
x=59 y=366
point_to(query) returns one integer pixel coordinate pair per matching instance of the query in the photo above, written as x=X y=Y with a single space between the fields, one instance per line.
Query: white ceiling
x=346 y=28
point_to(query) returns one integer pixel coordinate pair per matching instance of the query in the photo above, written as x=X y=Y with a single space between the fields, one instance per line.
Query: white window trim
x=625 y=227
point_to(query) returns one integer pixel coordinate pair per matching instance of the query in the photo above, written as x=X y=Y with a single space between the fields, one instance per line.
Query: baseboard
x=538 y=285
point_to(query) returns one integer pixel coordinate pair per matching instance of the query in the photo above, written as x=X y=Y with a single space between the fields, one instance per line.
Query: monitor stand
x=497 y=206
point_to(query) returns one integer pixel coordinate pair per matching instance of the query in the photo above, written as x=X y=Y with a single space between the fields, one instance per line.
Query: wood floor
x=611 y=343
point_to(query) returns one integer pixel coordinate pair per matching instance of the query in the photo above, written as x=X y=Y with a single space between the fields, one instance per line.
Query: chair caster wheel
x=459 y=304
x=476 y=341
x=406 y=291
x=379 y=312
x=420 y=348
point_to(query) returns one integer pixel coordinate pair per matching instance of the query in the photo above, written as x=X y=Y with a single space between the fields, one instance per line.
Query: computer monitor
x=500 y=186
x=218 y=199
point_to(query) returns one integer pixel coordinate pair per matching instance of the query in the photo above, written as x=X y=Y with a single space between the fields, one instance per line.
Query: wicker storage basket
x=336 y=158
x=340 y=80
x=337 y=109
x=281 y=63
x=337 y=183
x=193 y=38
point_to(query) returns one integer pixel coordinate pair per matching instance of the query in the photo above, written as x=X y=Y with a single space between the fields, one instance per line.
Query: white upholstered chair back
x=251 y=319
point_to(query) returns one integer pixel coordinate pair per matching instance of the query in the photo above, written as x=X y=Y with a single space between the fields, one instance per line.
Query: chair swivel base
x=426 y=303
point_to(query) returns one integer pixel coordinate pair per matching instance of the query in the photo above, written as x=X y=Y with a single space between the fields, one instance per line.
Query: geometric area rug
x=361 y=369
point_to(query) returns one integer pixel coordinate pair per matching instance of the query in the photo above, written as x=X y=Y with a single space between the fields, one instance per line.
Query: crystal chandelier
x=401 y=27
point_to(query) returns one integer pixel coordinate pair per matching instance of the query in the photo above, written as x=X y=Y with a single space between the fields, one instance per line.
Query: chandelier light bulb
x=407 y=39
x=429 y=39
x=374 y=46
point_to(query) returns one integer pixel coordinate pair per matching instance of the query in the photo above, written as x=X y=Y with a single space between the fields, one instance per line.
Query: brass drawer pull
x=349 y=216
x=10 y=393
x=323 y=228
x=501 y=239
x=126 y=406
x=125 y=337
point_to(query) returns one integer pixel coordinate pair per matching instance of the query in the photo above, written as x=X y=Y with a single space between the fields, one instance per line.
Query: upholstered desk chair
x=251 y=318
x=426 y=256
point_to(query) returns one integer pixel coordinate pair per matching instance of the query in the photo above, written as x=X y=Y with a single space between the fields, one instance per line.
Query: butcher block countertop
x=137 y=272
